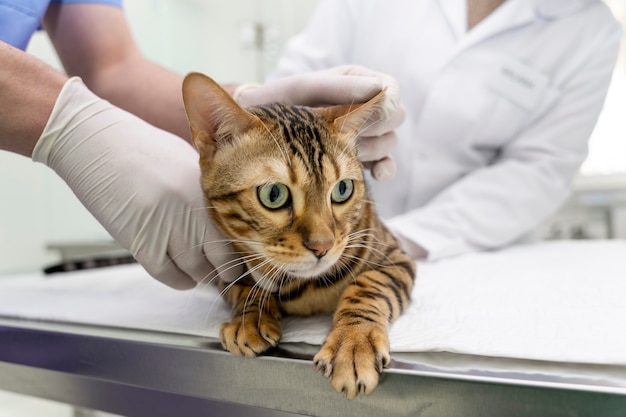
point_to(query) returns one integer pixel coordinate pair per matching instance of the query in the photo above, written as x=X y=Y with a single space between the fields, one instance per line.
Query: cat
x=284 y=185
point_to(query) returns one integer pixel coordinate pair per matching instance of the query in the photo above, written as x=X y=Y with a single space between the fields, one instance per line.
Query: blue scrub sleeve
x=20 y=19
x=111 y=2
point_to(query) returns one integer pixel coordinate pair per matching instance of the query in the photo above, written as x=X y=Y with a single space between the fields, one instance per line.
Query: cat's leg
x=357 y=348
x=255 y=326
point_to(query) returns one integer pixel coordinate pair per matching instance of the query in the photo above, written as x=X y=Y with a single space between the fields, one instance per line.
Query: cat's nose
x=319 y=248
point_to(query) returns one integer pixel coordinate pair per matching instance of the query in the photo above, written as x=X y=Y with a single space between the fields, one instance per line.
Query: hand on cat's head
x=343 y=85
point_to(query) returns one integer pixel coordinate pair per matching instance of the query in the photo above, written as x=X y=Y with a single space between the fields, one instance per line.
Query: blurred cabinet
x=596 y=209
x=234 y=41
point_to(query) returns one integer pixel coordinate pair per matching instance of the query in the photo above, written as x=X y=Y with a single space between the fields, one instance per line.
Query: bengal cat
x=284 y=184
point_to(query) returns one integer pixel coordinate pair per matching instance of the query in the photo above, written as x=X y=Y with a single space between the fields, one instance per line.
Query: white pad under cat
x=557 y=301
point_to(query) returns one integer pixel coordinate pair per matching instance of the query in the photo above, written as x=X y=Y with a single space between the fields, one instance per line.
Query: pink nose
x=319 y=248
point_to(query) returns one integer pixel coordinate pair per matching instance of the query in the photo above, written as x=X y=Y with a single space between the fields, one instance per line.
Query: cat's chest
x=314 y=302
x=306 y=298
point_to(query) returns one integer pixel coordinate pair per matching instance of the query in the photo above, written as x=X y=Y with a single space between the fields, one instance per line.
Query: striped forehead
x=303 y=134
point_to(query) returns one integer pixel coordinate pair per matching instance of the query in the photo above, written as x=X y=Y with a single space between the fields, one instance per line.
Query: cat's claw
x=324 y=368
x=250 y=336
x=354 y=361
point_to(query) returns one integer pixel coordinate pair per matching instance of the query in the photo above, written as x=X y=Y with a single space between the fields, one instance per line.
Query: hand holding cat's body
x=139 y=182
x=345 y=84
x=285 y=185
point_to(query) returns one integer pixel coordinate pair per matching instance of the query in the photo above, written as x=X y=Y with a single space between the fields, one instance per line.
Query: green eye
x=342 y=191
x=273 y=196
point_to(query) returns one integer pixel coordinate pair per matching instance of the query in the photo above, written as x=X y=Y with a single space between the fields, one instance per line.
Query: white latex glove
x=141 y=183
x=341 y=85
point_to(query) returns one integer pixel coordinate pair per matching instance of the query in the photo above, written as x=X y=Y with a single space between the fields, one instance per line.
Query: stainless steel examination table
x=145 y=373
x=114 y=339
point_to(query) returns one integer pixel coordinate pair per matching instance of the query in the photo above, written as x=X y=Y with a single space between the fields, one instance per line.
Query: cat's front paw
x=248 y=335
x=353 y=358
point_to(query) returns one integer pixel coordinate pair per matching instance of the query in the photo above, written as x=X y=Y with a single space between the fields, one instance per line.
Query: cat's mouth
x=308 y=270
x=311 y=269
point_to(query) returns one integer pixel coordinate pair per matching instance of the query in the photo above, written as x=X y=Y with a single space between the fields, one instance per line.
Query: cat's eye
x=342 y=191
x=273 y=196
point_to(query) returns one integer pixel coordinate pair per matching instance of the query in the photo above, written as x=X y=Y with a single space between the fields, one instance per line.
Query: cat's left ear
x=351 y=118
x=214 y=117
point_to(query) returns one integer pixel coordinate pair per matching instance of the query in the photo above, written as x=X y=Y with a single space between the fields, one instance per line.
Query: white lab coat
x=498 y=118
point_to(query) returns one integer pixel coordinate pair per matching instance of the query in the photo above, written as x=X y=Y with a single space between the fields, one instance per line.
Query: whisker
x=227 y=266
x=366 y=261
x=254 y=291
x=247 y=273
x=266 y=295
x=235 y=263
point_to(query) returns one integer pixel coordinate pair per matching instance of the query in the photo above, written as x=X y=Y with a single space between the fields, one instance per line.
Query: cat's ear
x=351 y=118
x=213 y=115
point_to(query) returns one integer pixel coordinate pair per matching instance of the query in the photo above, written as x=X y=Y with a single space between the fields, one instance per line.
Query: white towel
x=557 y=301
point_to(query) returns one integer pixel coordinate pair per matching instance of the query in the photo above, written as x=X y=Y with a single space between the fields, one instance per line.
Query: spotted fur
x=315 y=253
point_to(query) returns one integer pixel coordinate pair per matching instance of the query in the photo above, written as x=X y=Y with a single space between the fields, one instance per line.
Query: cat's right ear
x=214 y=117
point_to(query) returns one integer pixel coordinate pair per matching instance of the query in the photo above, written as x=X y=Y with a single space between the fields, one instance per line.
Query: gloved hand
x=141 y=184
x=341 y=85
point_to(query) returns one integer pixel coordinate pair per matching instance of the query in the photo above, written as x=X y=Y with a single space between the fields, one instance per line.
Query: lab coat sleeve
x=502 y=202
